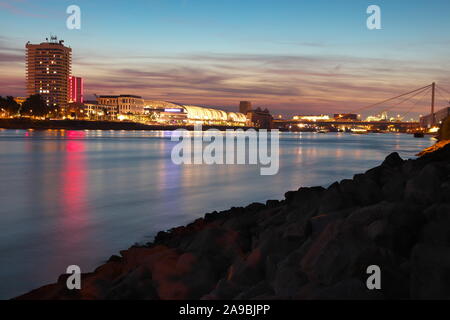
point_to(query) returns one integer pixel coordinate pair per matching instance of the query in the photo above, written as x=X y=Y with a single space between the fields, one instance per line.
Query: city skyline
x=293 y=58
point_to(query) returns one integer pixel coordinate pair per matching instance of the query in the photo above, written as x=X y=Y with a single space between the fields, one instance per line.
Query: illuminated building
x=171 y=113
x=382 y=117
x=207 y=115
x=158 y=106
x=124 y=104
x=312 y=118
x=48 y=66
x=345 y=116
x=76 y=89
x=94 y=109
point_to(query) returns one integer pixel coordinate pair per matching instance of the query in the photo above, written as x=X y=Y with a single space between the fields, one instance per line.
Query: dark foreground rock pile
x=315 y=244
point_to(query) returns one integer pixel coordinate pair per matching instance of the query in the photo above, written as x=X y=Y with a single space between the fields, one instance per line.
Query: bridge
x=399 y=126
x=405 y=104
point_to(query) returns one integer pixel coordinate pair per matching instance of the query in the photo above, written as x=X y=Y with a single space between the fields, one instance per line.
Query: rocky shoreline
x=315 y=244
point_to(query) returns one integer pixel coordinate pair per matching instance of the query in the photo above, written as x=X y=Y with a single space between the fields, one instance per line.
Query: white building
x=125 y=104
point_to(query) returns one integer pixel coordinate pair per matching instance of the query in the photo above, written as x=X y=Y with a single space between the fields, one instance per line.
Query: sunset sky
x=294 y=57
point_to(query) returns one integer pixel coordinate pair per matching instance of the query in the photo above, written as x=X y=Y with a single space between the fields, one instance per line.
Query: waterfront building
x=197 y=114
x=124 y=104
x=97 y=111
x=172 y=116
x=152 y=106
x=346 y=116
x=171 y=113
x=439 y=116
x=48 y=66
x=382 y=117
x=73 y=110
x=312 y=118
x=245 y=106
x=260 y=118
x=76 y=89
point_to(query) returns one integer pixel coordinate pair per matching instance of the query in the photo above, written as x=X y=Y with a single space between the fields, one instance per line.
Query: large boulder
x=430 y=272
x=424 y=188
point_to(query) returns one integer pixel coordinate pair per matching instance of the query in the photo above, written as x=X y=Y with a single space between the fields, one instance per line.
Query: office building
x=76 y=89
x=48 y=67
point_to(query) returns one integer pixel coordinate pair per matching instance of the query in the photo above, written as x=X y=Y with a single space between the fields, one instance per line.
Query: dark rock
x=224 y=290
x=430 y=272
x=137 y=284
x=437 y=231
x=297 y=231
x=332 y=199
x=425 y=187
x=114 y=258
x=304 y=200
x=272 y=203
x=289 y=278
x=373 y=174
x=255 y=207
x=393 y=190
x=259 y=290
x=393 y=160
x=275 y=218
x=161 y=236
x=247 y=272
x=219 y=244
x=319 y=223
x=347 y=289
x=365 y=216
x=199 y=278
x=367 y=191
x=209 y=217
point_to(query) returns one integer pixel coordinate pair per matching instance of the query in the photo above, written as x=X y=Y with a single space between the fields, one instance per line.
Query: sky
x=293 y=57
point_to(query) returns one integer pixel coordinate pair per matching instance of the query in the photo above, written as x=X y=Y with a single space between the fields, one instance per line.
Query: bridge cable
x=415 y=104
x=387 y=100
x=442 y=96
x=448 y=92
x=406 y=99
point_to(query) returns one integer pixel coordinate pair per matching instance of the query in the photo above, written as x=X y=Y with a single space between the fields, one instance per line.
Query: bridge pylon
x=433 y=99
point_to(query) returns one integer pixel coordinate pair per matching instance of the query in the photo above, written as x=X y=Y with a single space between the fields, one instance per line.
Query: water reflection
x=74 y=193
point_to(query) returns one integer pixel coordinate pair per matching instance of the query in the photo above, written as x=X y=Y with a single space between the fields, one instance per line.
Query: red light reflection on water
x=74 y=182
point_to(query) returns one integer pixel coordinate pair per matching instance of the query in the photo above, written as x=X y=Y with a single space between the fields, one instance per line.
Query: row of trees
x=33 y=106
x=8 y=105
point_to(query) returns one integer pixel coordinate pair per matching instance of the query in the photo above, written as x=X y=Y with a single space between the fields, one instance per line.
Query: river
x=77 y=197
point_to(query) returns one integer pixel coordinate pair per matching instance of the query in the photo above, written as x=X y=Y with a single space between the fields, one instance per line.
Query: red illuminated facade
x=76 y=89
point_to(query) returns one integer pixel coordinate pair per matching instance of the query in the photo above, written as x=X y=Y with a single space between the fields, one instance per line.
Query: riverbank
x=25 y=124
x=315 y=244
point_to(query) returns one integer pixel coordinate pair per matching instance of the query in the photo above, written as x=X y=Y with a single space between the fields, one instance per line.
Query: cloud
x=292 y=84
x=12 y=86
x=15 y=7
x=10 y=54
x=289 y=83
x=7 y=58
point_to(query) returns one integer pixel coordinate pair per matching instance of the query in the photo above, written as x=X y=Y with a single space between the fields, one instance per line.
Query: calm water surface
x=77 y=197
